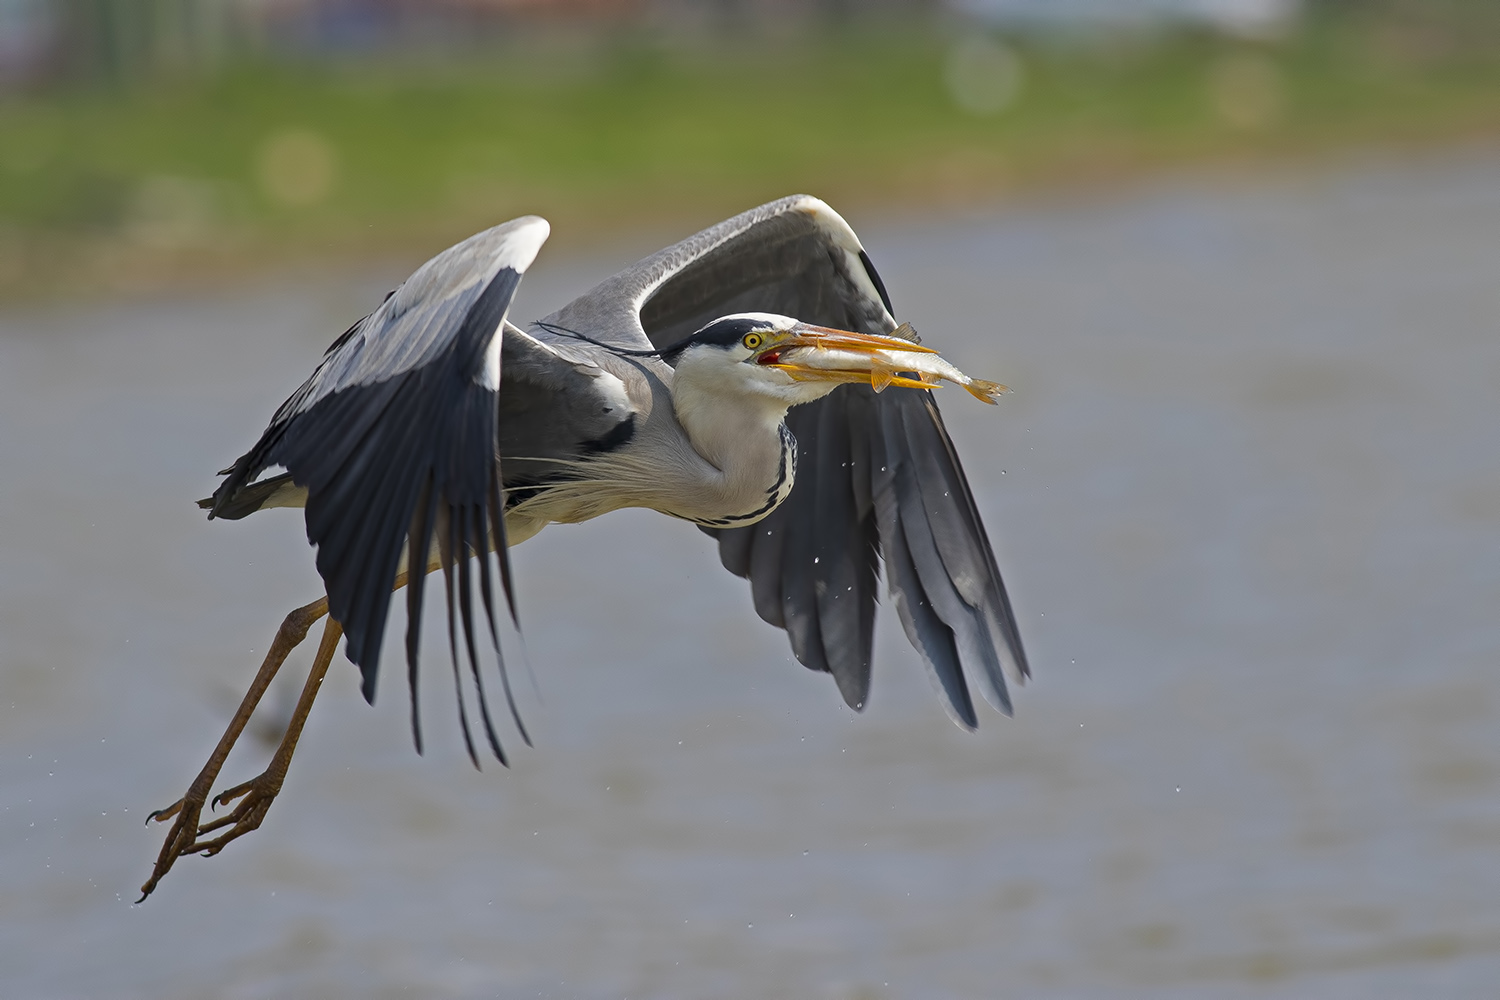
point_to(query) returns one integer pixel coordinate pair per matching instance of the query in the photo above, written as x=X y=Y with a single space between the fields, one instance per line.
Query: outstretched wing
x=394 y=440
x=877 y=475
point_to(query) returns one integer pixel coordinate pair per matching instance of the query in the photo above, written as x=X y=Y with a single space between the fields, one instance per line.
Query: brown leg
x=256 y=794
x=184 y=832
x=186 y=836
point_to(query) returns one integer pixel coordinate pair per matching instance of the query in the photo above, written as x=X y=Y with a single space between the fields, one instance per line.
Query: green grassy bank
x=198 y=177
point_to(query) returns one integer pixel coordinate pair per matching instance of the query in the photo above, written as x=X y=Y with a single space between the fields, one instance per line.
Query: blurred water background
x=1239 y=264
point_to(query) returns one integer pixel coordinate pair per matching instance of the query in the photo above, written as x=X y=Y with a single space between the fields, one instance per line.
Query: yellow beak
x=820 y=354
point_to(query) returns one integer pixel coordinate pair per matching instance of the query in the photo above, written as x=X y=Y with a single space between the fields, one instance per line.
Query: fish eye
x=752 y=340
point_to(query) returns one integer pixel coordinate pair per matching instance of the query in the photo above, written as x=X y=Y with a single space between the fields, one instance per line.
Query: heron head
x=784 y=359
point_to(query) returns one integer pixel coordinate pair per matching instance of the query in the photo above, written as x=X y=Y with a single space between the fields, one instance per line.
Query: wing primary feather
x=364 y=565
x=248 y=499
x=486 y=589
x=734 y=548
x=799 y=602
x=360 y=569
x=962 y=578
x=446 y=530
x=419 y=542
x=462 y=516
x=917 y=511
x=371 y=597
x=464 y=500
x=867 y=538
x=859 y=402
x=502 y=544
x=996 y=607
x=932 y=637
x=765 y=569
x=846 y=645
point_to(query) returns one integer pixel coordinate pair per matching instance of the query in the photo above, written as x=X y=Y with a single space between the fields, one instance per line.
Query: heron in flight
x=732 y=380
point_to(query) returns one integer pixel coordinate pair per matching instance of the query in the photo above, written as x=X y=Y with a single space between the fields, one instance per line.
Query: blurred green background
x=161 y=142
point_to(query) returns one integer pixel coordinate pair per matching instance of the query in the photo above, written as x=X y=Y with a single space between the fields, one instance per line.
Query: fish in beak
x=820 y=354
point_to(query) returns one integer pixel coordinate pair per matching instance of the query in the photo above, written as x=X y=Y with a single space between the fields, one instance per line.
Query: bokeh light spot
x=984 y=76
x=296 y=168
x=1246 y=91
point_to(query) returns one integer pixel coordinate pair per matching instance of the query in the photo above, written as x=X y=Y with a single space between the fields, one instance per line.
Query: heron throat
x=743 y=438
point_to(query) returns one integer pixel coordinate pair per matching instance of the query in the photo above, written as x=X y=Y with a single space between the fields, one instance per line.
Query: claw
x=230 y=794
x=162 y=815
x=179 y=839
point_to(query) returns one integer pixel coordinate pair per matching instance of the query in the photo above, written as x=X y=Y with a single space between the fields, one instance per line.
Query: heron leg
x=186 y=810
x=257 y=794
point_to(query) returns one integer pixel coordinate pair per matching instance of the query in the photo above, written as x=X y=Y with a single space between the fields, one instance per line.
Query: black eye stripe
x=728 y=332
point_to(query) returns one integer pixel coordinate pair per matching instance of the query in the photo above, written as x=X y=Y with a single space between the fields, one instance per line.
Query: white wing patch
x=612 y=389
x=417 y=322
x=489 y=375
x=522 y=243
x=832 y=223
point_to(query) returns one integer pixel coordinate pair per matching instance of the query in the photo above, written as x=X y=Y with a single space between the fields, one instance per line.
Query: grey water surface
x=1246 y=494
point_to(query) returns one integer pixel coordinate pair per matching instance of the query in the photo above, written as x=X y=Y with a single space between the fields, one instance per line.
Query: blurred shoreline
x=185 y=177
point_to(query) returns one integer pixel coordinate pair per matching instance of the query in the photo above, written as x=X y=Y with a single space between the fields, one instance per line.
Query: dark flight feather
x=395 y=440
x=878 y=479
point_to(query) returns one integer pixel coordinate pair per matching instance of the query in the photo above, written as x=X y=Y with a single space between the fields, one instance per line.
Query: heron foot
x=255 y=795
x=187 y=836
x=180 y=838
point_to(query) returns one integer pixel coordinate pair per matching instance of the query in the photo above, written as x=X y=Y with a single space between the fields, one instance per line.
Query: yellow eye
x=751 y=341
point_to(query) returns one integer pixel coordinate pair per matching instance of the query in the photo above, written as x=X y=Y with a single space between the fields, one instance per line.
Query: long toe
x=179 y=839
x=162 y=815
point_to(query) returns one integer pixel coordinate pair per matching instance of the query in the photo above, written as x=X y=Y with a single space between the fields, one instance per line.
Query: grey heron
x=732 y=380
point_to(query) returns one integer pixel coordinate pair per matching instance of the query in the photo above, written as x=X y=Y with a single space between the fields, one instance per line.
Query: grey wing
x=877 y=475
x=557 y=406
x=394 y=439
x=741 y=264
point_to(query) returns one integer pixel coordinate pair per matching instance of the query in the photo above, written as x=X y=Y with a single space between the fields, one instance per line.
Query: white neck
x=736 y=431
x=733 y=416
